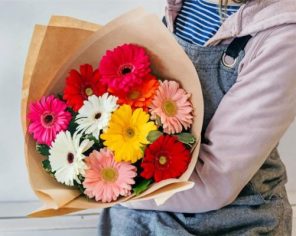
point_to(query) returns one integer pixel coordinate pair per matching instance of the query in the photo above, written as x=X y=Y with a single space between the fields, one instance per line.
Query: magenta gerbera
x=47 y=118
x=124 y=67
x=106 y=179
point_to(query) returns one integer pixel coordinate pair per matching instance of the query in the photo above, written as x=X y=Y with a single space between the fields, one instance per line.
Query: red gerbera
x=124 y=67
x=81 y=85
x=165 y=158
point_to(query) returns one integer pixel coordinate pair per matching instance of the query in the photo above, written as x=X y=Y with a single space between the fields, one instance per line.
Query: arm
x=171 y=11
x=249 y=122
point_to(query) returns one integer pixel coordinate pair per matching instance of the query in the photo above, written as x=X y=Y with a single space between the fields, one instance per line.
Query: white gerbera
x=95 y=114
x=66 y=157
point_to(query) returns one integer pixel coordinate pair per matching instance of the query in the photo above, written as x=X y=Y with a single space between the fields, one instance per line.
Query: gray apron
x=262 y=207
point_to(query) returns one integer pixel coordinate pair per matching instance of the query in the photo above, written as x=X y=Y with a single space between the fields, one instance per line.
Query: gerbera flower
x=95 y=114
x=47 y=118
x=165 y=158
x=171 y=104
x=124 y=67
x=139 y=96
x=79 y=86
x=106 y=179
x=127 y=133
x=66 y=157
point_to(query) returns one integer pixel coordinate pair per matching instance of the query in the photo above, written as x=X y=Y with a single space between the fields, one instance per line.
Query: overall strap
x=230 y=55
x=237 y=45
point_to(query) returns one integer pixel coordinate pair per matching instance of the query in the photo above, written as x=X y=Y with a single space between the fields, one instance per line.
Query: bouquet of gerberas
x=115 y=129
x=111 y=116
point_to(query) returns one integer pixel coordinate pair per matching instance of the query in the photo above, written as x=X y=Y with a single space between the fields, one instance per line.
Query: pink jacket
x=253 y=115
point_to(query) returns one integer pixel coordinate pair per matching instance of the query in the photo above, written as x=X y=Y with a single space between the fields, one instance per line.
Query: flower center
x=169 y=108
x=162 y=160
x=109 y=174
x=126 y=69
x=130 y=133
x=133 y=95
x=89 y=91
x=70 y=158
x=98 y=115
x=48 y=119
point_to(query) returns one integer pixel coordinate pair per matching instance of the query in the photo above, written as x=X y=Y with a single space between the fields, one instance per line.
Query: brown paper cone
x=70 y=22
x=58 y=54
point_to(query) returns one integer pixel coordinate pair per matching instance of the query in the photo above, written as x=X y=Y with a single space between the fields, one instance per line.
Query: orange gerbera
x=139 y=96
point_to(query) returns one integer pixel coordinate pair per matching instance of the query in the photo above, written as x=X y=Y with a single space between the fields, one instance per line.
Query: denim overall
x=262 y=207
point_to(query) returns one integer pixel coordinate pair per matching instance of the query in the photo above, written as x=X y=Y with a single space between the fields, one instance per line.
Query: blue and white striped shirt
x=199 y=20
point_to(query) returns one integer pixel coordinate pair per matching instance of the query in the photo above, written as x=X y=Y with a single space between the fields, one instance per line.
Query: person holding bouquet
x=242 y=51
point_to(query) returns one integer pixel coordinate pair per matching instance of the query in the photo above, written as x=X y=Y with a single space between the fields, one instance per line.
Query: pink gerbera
x=171 y=104
x=106 y=179
x=47 y=118
x=124 y=67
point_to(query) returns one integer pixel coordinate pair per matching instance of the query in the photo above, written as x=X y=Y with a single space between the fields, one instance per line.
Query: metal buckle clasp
x=228 y=61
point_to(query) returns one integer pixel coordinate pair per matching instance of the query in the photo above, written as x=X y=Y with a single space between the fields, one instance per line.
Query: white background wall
x=17 y=19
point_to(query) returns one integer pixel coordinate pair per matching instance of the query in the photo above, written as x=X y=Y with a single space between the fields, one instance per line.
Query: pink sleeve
x=249 y=122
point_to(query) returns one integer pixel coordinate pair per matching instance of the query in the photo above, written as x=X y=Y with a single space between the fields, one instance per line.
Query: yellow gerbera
x=127 y=133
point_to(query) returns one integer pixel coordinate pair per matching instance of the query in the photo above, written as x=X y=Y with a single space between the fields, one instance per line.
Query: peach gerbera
x=172 y=106
x=139 y=96
x=106 y=179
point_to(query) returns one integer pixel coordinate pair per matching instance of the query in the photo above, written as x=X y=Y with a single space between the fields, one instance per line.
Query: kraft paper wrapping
x=64 y=44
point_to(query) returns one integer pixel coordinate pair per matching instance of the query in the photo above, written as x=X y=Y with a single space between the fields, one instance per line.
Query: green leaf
x=60 y=96
x=73 y=113
x=42 y=149
x=143 y=148
x=142 y=186
x=158 y=121
x=153 y=135
x=186 y=138
x=46 y=166
x=92 y=138
x=98 y=144
x=80 y=186
x=73 y=125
